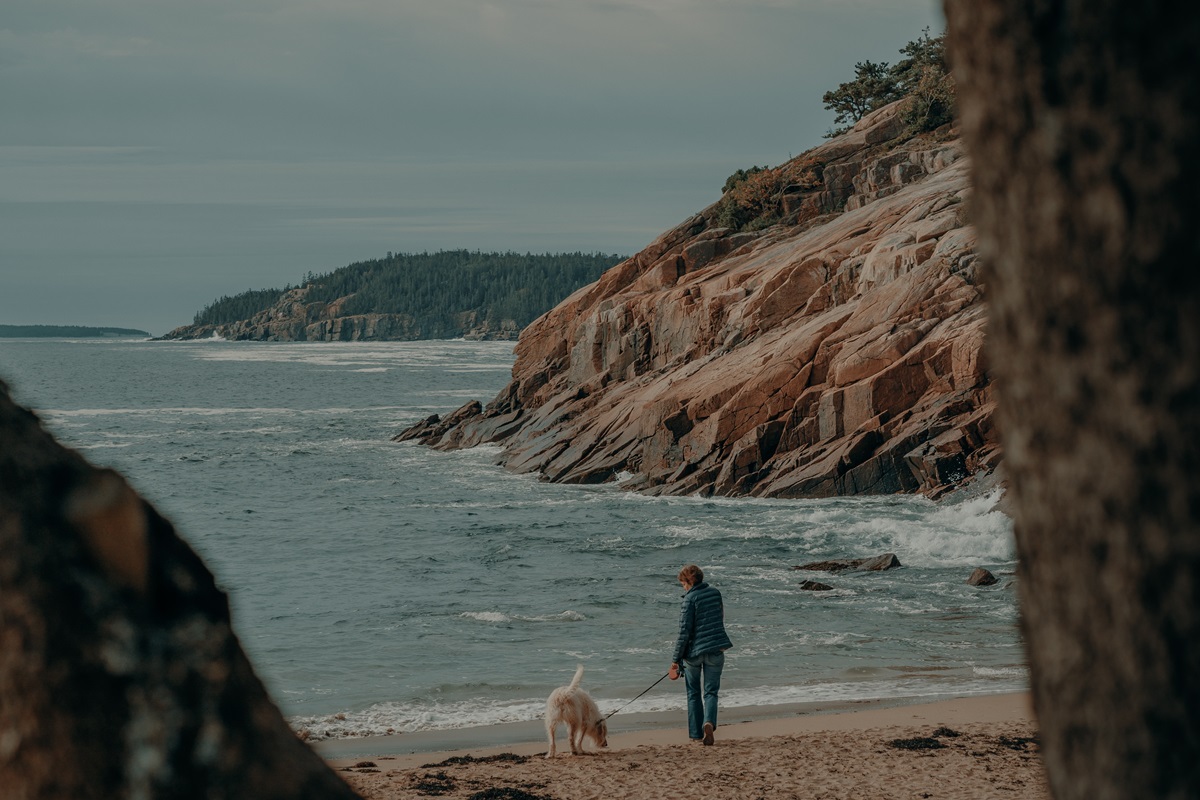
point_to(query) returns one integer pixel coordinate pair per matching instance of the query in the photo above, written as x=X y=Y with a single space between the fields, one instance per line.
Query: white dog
x=578 y=710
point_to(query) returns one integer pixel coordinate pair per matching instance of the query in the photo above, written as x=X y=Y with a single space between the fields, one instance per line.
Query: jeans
x=702 y=677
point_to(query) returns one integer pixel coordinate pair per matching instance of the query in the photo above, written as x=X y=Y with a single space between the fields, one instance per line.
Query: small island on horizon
x=449 y=294
x=65 y=332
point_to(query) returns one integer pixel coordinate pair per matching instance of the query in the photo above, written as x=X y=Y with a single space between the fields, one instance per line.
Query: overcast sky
x=156 y=154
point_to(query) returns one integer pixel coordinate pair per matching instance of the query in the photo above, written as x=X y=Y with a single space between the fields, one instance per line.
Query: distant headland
x=65 y=332
x=405 y=297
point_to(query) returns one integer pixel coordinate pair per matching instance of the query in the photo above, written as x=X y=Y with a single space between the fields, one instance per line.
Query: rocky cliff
x=838 y=352
x=294 y=318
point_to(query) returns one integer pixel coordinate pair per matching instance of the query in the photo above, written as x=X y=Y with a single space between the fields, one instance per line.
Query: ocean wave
x=824 y=638
x=1000 y=672
x=175 y=411
x=486 y=616
x=924 y=534
x=498 y=617
x=361 y=546
x=391 y=718
x=481 y=356
x=927 y=533
x=920 y=532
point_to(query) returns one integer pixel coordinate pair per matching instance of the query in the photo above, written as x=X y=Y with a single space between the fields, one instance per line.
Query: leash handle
x=648 y=688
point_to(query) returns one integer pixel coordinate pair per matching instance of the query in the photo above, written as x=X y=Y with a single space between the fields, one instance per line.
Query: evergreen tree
x=921 y=78
x=438 y=291
x=239 y=307
x=874 y=86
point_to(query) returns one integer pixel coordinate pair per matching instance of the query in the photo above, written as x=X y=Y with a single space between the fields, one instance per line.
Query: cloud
x=183 y=144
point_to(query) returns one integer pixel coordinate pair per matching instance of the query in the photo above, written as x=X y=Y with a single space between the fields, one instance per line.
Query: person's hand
x=673 y=672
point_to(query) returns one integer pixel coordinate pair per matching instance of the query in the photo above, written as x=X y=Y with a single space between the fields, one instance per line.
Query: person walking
x=700 y=650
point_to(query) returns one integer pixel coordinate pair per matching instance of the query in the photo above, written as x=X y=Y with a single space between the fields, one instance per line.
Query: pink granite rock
x=818 y=357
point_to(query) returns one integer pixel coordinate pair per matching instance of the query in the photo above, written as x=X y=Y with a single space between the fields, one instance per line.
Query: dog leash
x=648 y=688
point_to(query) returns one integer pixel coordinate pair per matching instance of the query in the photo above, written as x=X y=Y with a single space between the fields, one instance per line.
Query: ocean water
x=382 y=587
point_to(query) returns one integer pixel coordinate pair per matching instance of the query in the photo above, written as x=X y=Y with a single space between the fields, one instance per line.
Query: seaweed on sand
x=435 y=784
x=507 y=793
x=456 y=760
x=917 y=743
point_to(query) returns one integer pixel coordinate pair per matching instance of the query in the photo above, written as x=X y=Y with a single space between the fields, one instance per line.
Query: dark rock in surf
x=981 y=577
x=832 y=565
x=420 y=430
x=813 y=586
x=875 y=564
x=880 y=563
x=432 y=429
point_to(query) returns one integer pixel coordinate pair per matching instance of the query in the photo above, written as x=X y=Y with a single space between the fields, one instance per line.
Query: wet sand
x=959 y=748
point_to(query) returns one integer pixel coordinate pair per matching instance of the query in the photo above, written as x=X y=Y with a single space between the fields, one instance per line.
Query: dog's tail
x=578 y=677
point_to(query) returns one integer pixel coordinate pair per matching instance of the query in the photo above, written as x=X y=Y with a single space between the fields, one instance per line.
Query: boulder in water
x=814 y=586
x=832 y=565
x=880 y=563
x=875 y=564
x=981 y=577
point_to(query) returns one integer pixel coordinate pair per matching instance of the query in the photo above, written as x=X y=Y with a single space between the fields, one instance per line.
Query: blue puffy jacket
x=701 y=624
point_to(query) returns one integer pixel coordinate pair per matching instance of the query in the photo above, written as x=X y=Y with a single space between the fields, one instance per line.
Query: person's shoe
x=708 y=734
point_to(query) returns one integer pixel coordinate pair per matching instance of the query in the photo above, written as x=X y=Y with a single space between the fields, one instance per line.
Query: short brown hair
x=691 y=574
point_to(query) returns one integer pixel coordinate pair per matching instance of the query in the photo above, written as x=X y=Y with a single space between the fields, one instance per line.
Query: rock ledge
x=837 y=353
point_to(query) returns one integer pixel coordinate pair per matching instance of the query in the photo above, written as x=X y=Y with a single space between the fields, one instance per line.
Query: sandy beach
x=971 y=747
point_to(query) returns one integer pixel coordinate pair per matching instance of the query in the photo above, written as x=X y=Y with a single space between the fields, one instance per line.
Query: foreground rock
x=120 y=675
x=839 y=352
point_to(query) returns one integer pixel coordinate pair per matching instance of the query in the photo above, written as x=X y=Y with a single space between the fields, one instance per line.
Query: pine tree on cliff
x=1082 y=121
x=920 y=78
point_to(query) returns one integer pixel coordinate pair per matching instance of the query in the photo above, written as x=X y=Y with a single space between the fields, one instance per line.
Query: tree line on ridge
x=435 y=289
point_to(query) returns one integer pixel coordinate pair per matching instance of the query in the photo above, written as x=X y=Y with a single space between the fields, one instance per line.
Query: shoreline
x=410 y=750
x=980 y=746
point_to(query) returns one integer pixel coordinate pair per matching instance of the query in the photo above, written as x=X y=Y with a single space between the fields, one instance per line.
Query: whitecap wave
x=920 y=532
x=389 y=718
x=1000 y=672
x=497 y=617
x=486 y=616
x=210 y=412
x=457 y=357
